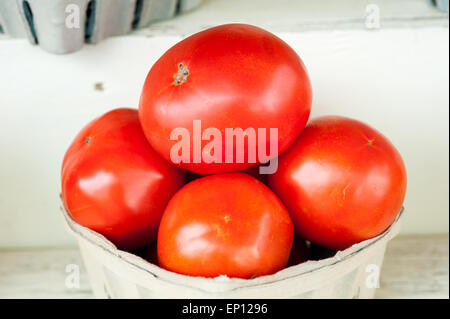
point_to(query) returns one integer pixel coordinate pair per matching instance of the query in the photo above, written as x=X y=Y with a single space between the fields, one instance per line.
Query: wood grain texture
x=414 y=267
x=41 y=273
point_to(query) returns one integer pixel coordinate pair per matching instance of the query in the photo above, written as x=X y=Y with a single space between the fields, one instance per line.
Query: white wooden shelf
x=301 y=15
x=414 y=267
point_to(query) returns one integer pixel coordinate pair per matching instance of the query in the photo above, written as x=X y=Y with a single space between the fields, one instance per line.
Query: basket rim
x=303 y=269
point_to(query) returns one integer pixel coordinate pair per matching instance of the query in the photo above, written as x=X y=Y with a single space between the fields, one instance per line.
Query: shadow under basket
x=351 y=273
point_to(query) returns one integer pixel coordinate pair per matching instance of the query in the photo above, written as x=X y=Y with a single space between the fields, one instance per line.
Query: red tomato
x=231 y=76
x=226 y=224
x=114 y=183
x=342 y=181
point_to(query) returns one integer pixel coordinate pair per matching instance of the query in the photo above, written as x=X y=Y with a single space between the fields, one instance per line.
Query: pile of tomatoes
x=337 y=181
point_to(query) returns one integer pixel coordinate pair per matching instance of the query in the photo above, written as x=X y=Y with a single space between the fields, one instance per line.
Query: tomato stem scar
x=182 y=74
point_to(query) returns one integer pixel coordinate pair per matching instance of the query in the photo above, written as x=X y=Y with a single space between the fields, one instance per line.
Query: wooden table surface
x=414 y=267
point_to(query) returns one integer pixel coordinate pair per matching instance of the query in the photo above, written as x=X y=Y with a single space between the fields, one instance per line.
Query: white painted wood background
x=394 y=78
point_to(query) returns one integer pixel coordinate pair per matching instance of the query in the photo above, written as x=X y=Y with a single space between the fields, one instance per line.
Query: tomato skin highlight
x=342 y=181
x=114 y=183
x=239 y=76
x=226 y=224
